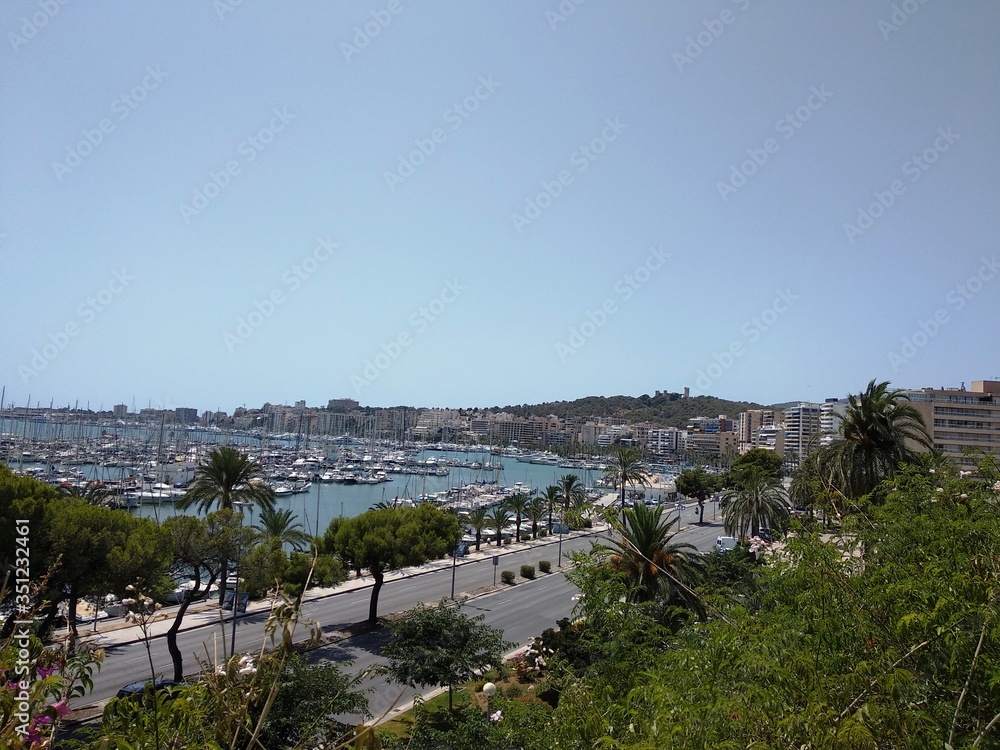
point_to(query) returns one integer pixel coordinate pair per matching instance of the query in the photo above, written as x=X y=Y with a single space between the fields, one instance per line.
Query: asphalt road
x=522 y=611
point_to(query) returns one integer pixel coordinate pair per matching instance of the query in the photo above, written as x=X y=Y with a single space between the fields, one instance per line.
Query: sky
x=460 y=203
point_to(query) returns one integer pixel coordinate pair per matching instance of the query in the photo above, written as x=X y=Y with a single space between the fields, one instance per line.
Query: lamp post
x=236 y=587
x=488 y=690
x=562 y=525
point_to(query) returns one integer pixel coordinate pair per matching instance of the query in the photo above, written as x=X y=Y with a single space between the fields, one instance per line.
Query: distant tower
x=687 y=391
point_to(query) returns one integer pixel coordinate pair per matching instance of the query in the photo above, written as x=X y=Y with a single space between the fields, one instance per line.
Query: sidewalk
x=118 y=632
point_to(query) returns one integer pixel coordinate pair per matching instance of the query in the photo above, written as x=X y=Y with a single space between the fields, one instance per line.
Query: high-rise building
x=121 y=411
x=831 y=416
x=959 y=419
x=801 y=426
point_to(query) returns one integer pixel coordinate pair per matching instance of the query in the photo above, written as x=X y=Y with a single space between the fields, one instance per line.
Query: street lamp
x=236 y=587
x=488 y=690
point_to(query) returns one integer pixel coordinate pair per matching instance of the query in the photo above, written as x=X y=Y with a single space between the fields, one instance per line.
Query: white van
x=724 y=543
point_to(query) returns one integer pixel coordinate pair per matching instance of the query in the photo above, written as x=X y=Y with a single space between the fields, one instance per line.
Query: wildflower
x=61 y=706
x=44 y=672
x=128 y=602
x=496 y=715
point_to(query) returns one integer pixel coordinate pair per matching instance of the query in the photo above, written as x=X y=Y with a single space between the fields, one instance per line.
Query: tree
x=94 y=493
x=551 y=499
x=104 y=550
x=699 y=484
x=227 y=478
x=625 y=468
x=478 y=521
x=518 y=506
x=383 y=540
x=654 y=565
x=760 y=502
x=535 y=512
x=442 y=646
x=571 y=491
x=768 y=461
x=878 y=428
x=281 y=525
x=498 y=518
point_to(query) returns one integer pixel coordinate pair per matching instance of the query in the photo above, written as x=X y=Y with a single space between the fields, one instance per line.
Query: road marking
x=504 y=601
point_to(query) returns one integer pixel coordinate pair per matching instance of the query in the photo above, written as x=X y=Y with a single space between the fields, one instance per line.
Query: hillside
x=665 y=410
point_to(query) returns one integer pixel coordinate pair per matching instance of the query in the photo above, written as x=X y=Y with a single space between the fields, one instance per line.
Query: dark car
x=135 y=689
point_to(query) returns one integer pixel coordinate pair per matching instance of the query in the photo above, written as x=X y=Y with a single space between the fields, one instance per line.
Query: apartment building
x=959 y=419
x=801 y=426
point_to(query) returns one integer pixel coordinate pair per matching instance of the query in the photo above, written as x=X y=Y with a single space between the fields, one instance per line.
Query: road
x=522 y=611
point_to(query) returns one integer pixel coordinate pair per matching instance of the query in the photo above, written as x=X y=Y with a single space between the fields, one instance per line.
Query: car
x=726 y=543
x=136 y=689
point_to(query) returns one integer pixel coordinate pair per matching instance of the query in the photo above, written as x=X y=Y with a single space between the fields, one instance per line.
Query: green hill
x=665 y=410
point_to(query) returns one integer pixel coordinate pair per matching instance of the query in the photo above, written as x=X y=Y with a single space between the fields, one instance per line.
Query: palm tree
x=497 y=518
x=625 y=468
x=551 y=499
x=654 y=565
x=759 y=502
x=535 y=512
x=878 y=430
x=280 y=525
x=94 y=493
x=518 y=506
x=229 y=477
x=571 y=491
x=478 y=520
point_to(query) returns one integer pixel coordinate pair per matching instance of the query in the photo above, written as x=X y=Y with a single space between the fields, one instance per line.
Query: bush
x=542 y=533
x=514 y=691
x=507 y=577
x=527 y=571
x=545 y=566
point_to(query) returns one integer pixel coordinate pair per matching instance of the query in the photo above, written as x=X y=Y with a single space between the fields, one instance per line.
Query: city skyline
x=464 y=205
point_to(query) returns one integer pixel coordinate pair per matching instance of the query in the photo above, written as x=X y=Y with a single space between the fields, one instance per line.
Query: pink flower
x=44 y=672
x=61 y=706
x=496 y=715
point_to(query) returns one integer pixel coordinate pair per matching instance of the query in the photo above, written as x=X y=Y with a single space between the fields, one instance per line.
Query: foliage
x=888 y=636
x=507 y=576
x=327 y=572
x=280 y=524
x=570 y=491
x=535 y=512
x=625 y=468
x=442 y=646
x=518 y=506
x=263 y=569
x=768 y=462
x=478 y=520
x=527 y=571
x=699 y=484
x=228 y=477
x=878 y=427
x=545 y=566
x=654 y=566
x=498 y=517
x=382 y=540
x=758 y=502
x=510 y=724
x=308 y=694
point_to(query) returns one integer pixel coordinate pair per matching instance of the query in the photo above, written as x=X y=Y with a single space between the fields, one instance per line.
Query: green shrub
x=545 y=566
x=527 y=571
x=514 y=691
x=507 y=577
x=542 y=533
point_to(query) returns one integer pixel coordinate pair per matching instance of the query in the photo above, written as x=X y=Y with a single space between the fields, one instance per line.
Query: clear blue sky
x=474 y=204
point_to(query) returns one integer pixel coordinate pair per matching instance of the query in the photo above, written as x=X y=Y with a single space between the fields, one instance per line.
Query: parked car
x=136 y=689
